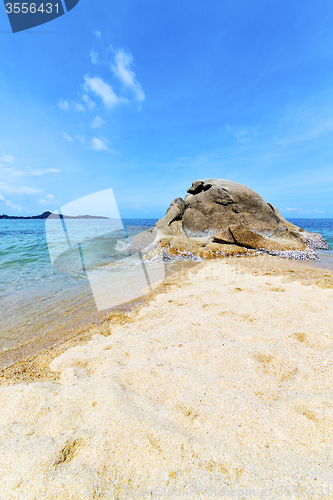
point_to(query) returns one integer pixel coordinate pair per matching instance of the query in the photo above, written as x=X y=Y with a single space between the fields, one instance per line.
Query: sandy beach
x=218 y=385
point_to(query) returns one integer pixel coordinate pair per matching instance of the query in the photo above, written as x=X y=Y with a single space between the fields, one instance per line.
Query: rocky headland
x=220 y=218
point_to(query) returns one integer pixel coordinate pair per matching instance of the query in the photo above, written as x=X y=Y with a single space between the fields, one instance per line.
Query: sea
x=48 y=287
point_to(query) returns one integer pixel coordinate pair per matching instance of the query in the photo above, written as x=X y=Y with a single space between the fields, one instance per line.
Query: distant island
x=50 y=215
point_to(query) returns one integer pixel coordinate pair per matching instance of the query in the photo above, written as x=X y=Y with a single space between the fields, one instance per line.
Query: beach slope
x=219 y=386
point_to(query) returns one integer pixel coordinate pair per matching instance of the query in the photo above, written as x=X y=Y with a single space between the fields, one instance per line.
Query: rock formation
x=219 y=218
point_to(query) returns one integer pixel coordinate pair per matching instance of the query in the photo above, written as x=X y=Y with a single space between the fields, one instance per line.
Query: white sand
x=223 y=383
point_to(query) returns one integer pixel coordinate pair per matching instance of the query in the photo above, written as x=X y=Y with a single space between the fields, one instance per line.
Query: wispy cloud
x=49 y=199
x=63 y=104
x=51 y=170
x=98 y=91
x=67 y=137
x=97 y=122
x=101 y=144
x=98 y=144
x=140 y=208
x=100 y=87
x=301 y=211
x=243 y=134
x=8 y=158
x=77 y=106
x=10 y=188
x=67 y=104
x=306 y=131
x=97 y=34
x=12 y=169
x=81 y=138
x=121 y=69
x=94 y=57
x=90 y=103
x=42 y=171
x=12 y=205
x=39 y=172
x=103 y=90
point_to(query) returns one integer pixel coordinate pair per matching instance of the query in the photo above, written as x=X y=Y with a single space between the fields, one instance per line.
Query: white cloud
x=35 y=173
x=78 y=106
x=27 y=172
x=94 y=57
x=101 y=145
x=98 y=86
x=63 y=104
x=67 y=104
x=243 y=134
x=97 y=34
x=98 y=144
x=49 y=199
x=52 y=170
x=302 y=210
x=97 y=122
x=81 y=138
x=90 y=104
x=122 y=71
x=9 y=188
x=8 y=158
x=41 y=171
x=67 y=137
x=103 y=90
x=9 y=172
x=12 y=205
x=140 y=208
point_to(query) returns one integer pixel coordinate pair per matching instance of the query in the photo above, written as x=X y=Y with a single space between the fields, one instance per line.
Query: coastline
x=222 y=377
x=21 y=362
x=17 y=361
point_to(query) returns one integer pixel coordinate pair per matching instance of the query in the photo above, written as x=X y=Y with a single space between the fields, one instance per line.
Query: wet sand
x=218 y=385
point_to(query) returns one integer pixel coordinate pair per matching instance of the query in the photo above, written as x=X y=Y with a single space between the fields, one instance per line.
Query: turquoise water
x=37 y=299
x=321 y=226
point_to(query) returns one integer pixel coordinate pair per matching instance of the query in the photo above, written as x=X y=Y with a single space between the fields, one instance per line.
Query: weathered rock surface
x=250 y=239
x=220 y=218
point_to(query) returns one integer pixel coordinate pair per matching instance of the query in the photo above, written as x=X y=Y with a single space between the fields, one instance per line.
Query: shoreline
x=21 y=362
x=222 y=377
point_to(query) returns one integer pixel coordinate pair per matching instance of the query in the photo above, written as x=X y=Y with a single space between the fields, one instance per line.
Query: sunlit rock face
x=220 y=218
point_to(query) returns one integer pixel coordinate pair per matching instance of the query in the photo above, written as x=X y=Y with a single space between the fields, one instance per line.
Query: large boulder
x=220 y=217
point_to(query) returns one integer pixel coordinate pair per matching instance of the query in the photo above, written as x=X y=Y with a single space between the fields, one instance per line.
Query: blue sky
x=145 y=97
